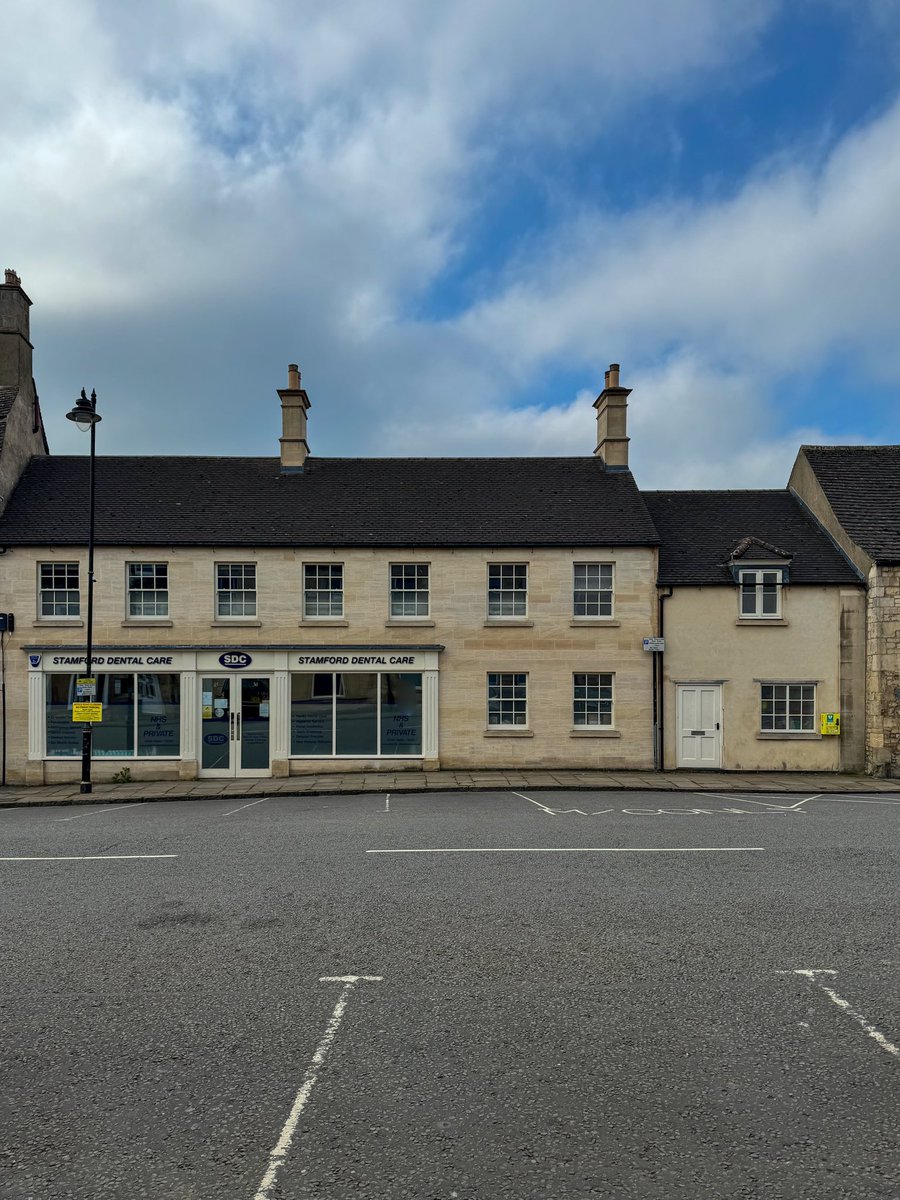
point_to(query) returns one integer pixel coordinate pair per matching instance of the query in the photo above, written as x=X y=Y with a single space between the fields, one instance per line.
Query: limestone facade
x=549 y=645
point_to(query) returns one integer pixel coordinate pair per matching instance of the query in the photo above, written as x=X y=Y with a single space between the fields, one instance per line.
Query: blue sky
x=454 y=217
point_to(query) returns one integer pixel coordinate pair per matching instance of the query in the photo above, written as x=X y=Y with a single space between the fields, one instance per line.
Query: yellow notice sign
x=87 y=712
x=829 y=723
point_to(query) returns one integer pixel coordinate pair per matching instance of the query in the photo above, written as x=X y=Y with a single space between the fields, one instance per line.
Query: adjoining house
x=854 y=492
x=764 y=626
x=290 y=614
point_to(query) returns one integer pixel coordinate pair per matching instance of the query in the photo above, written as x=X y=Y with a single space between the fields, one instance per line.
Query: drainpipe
x=659 y=698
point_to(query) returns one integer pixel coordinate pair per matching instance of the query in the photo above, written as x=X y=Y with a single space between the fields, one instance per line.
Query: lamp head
x=85 y=414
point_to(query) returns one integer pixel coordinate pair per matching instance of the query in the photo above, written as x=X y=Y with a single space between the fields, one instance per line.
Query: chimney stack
x=15 y=343
x=612 y=409
x=294 y=407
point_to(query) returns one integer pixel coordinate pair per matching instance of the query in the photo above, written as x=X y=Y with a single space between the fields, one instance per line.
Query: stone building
x=854 y=492
x=295 y=613
x=21 y=428
x=764 y=624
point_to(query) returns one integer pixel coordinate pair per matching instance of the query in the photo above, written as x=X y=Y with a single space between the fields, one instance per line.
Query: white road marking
x=243 y=806
x=536 y=802
x=561 y=812
x=845 y=1006
x=279 y=1153
x=98 y=811
x=601 y=811
x=765 y=803
x=842 y=800
x=84 y=857
x=387 y=803
x=571 y=850
x=703 y=812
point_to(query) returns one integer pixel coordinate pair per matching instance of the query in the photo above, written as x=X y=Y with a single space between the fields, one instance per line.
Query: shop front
x=217 y=712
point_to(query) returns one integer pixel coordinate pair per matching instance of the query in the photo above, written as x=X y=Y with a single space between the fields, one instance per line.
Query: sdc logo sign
x=235 y=658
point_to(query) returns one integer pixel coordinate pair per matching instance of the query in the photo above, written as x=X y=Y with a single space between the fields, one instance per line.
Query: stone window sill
x=594 y=733
x=324 y=622
x=512 y=622
x=611 y=622
x=147 y=622
x=782 y=736
x=761 y=622
x=235 y=623
x=60 y=622
x=422 y=622
x=511 y=731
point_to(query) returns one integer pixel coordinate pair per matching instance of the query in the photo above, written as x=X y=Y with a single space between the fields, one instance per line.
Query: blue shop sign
x=235 y=659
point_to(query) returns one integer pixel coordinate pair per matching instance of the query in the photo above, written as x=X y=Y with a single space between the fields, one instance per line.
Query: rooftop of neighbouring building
x=701 y=533
x=862 y=484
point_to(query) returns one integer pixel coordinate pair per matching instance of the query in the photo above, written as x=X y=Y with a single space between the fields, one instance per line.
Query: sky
x=454 y=217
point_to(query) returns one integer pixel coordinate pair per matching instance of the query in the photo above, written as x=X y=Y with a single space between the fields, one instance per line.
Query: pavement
x=452 y=781
x=480 y=995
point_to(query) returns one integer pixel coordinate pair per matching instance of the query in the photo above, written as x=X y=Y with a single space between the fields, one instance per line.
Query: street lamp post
x=86 y=417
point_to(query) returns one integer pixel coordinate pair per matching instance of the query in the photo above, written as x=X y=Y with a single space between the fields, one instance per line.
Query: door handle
x=237 y=726
x=231 y=725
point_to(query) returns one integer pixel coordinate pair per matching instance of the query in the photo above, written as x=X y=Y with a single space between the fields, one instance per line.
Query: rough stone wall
x=883 y=672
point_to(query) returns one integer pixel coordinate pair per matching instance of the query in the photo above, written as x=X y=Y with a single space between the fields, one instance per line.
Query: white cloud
x=212 y=190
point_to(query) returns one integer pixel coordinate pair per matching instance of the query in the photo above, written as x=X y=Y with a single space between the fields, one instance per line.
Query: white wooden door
x=699 y=725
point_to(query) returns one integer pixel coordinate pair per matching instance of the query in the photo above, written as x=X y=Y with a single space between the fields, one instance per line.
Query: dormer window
x=760 y=592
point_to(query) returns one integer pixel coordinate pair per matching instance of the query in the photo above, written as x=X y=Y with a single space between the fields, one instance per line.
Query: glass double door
x=234 y=725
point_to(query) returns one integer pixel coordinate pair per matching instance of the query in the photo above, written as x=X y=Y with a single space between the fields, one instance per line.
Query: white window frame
x=315 y=596
x=139 y=593
x=512 y=689
x=507 y=596
x=788 y=700
x=593 y=697
x=594 y=596
x=244 y=591
x=55 y=591
x=404 y=593
x=760 y=586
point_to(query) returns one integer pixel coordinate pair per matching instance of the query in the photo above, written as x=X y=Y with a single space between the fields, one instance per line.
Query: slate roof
x=701 y=530
x=862 y=484
x=188 y=501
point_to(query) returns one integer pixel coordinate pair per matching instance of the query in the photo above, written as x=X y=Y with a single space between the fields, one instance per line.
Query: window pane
x=507 y=699
x=409 y=590
x=401 y=714
x=357 y=714
x=592 y=699
x=159 y=715
x=312 y=699
x=63 y=735
x=114 y=735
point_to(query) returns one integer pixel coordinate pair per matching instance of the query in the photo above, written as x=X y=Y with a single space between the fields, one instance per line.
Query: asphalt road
x=614 y=1013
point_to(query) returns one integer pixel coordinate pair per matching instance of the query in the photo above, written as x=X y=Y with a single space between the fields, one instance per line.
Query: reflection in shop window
x=312 y=713
x=356 y=714
x=401 y=714
x=148 y=728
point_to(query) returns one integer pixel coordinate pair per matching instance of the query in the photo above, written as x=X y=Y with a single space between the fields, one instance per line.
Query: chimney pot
x=294 y=407
x=12 y=279
x=612 y=433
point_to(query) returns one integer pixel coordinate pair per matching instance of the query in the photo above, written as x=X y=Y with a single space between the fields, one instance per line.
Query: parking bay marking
x=844 y=1006
x=98 y=811
x=571 y=850
x=243 y=806
x=283 y=1145
x=82 y=857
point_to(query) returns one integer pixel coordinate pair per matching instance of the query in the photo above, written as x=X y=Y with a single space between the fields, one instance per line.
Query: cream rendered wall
x=706 y=641
x=549 y=645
